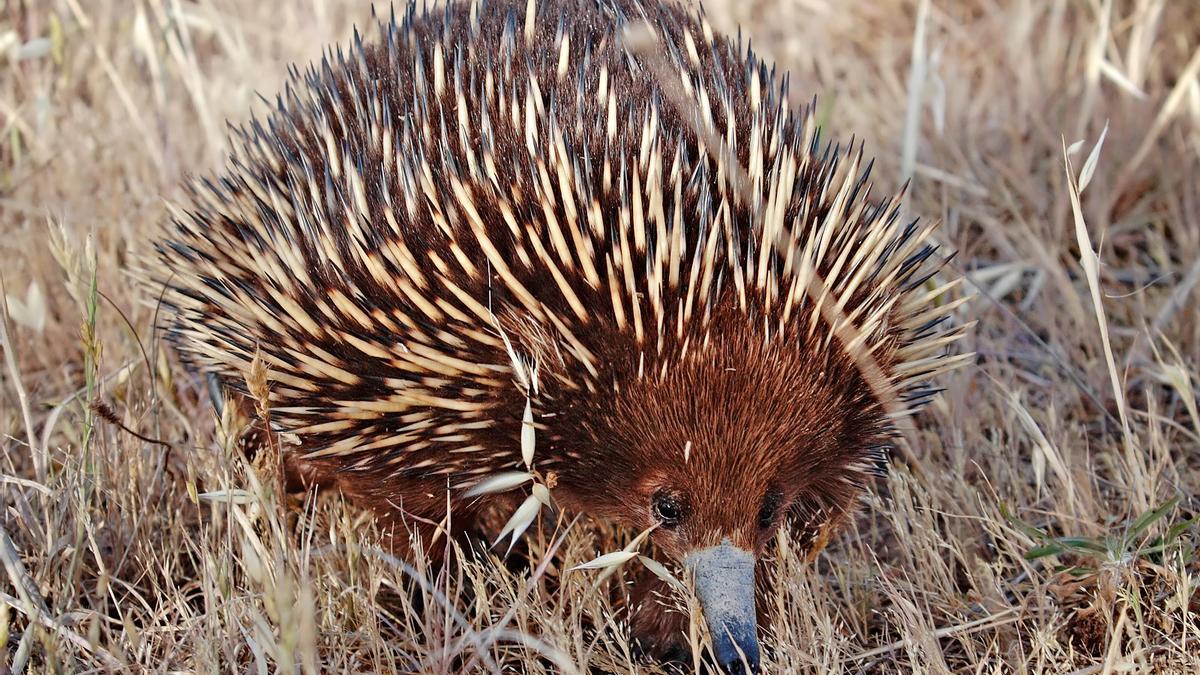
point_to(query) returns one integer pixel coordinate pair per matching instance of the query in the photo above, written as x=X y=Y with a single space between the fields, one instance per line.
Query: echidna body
x=504 y=203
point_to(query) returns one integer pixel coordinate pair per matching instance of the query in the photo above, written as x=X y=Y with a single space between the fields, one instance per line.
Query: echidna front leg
x=412 y=513
x=658 y=626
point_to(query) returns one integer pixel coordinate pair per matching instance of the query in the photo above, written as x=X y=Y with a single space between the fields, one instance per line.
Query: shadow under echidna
x=512 y=206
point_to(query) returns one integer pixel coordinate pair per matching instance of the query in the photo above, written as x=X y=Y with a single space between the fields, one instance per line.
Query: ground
x=1044 y=521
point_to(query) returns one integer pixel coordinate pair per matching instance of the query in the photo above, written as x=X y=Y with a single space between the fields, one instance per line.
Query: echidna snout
x=504 y=205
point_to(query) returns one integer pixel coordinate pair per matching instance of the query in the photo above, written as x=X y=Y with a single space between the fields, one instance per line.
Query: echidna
x=506 y=202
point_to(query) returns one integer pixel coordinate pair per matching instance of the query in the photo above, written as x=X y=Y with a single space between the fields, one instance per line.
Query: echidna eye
x=666 y=508
x=768 y=510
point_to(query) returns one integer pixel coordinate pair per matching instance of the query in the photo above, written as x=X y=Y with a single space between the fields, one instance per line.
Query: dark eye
x=768 y=510
x=666 y=508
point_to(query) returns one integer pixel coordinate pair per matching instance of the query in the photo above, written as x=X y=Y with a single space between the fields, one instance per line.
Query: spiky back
x=424 y=217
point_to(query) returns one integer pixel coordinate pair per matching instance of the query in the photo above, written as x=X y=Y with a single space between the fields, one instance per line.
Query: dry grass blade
x=75 y=639
x=10 y=361
x=127 y=568
x=610 y=563
x=660 y=571
x=997 y=620
x=1090 y=261
x=1044 y=453
x=916 y=84
x=1177 y=299
x=231 y=496
x=31 y=598
x=614 y=559
x=1168 y=109
x=31 y=603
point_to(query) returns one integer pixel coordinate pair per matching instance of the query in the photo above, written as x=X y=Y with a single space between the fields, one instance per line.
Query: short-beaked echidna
x=504 y=203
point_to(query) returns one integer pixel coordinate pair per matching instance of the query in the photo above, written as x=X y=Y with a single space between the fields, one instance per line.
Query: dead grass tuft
x=1048 y=523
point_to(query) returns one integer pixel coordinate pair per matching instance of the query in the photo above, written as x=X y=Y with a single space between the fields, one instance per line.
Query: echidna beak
x=725 y=585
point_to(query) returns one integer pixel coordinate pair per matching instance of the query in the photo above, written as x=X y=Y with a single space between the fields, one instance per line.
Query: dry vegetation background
x=1027 y=537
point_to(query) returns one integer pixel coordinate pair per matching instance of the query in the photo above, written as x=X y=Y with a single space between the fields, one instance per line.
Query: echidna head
x=720 y=447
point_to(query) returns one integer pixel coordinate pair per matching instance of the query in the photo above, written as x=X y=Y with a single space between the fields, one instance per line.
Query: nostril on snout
x=740 y=666
x=738 y=657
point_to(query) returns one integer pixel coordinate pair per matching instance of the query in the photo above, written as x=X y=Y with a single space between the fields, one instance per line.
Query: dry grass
x=1028 y=540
